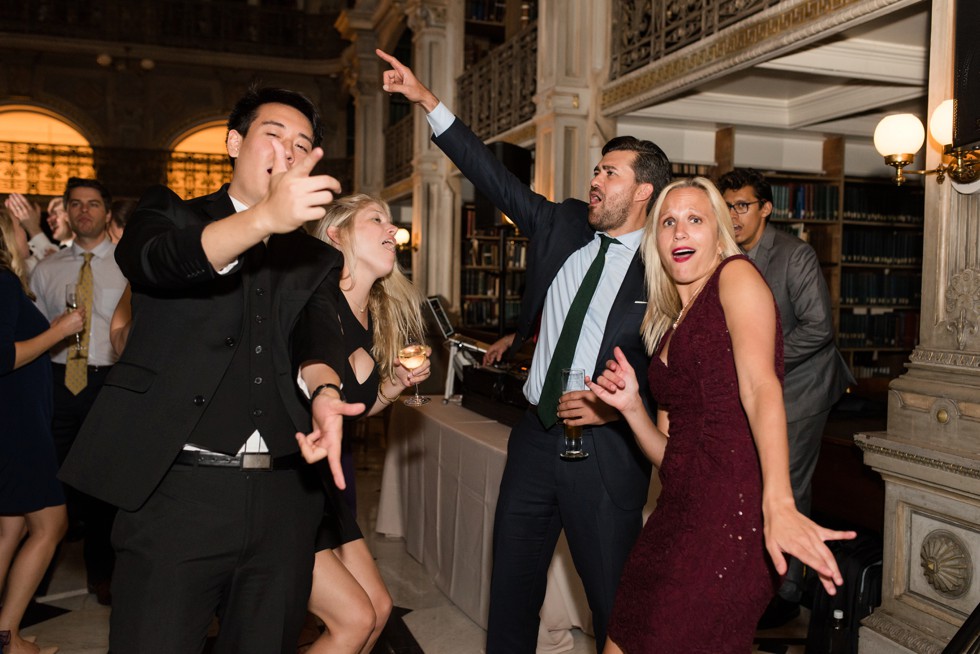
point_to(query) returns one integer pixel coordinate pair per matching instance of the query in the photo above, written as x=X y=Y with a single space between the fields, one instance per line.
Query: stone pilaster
x=437 y=28
x=572 y=63
x=929 y=456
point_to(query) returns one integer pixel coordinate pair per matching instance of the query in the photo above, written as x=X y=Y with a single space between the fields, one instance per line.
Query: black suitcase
x=860 y=563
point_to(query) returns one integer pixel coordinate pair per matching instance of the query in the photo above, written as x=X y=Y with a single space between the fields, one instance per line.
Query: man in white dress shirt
x=80 y=368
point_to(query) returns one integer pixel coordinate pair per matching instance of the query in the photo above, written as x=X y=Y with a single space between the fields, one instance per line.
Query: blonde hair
x=10 y=258
x=664 y=303
x=394 y=302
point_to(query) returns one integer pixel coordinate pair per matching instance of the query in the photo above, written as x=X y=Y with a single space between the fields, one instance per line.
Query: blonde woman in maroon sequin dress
x=706 y=563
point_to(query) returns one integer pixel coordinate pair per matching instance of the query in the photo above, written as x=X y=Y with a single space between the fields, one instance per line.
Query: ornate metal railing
x=190 y=174
x=497 y=94
x=398 y=150
x=35 y=169
x=643 y=31
x=215 y=25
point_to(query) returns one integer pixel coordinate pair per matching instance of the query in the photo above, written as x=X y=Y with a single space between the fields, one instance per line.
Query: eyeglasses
x=743 y=207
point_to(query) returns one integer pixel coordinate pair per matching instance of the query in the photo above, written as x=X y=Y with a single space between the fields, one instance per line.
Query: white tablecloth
x=439 y=491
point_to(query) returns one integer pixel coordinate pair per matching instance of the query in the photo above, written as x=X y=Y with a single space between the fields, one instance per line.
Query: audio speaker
x=966 y=82
x=518 y=161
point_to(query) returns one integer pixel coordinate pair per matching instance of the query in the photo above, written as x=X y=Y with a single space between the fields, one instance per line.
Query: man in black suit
x=194 y=436
x=598 y=500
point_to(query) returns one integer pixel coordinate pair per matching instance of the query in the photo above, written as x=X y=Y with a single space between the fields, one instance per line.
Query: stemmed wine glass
x=71 y=303
x=411 y=357
x=573 y=379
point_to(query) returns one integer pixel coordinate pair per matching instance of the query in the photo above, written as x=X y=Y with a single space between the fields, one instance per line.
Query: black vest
x=247 y=398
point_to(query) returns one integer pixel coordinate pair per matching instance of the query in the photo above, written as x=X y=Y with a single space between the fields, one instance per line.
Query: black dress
x=28 y=464
x=339 y=524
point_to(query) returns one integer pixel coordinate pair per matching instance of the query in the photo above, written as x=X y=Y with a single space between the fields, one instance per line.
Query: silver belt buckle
x=256 y=461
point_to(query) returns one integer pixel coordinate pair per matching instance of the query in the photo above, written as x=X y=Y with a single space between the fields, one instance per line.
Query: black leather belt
x=245 y=461
x=90 y=368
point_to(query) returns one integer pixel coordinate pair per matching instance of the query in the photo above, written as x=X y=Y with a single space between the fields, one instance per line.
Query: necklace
x=357 y=306
x=691 y=301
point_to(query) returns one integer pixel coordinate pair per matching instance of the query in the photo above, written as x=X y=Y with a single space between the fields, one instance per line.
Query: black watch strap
x=322 y=387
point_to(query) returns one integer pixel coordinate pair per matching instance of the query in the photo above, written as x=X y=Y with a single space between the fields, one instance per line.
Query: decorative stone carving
x=422 y=17
x=963 y=305
x=937 y=464
x=946 y=563
x=943 y=358
x=902 y=634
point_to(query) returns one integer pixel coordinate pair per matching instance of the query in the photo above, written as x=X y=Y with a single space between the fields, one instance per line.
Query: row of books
x=865 y=372
x=487 y=253
x=487 y=312
x=883 y=203
x=879 y=288
x=482 y=282
x=894 y=247
x=873 y=329
x=805 y=201
x=488 y=10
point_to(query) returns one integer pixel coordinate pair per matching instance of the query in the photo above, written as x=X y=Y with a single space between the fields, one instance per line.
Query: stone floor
x=69 y=617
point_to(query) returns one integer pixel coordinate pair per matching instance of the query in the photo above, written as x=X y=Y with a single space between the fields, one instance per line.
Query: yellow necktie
x=76 y=370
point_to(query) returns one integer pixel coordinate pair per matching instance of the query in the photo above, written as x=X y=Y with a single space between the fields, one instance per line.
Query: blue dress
x=28 y=463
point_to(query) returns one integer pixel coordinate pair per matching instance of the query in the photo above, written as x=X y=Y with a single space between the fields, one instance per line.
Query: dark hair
x=121 y=210
x=650 y=166
x=245 y=110
x=742 y=177
x=81 y=182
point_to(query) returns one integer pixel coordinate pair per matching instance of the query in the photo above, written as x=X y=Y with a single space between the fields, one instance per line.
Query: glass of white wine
x=411 y=357
x=71 y=304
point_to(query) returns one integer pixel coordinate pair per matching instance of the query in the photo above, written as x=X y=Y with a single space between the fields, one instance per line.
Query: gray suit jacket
x=816 y=375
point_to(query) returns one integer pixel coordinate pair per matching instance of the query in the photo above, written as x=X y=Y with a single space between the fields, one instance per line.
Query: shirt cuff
x=41 y=246
x=227 y=269
x=440 y=119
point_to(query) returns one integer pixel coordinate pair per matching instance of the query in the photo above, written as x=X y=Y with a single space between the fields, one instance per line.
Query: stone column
x=929 y=456
x=572 y=63
x=437 y=27
x=362 y=72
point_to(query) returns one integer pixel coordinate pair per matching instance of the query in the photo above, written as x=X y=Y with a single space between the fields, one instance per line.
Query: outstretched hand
x=328 y=434
x=295 y=197
x=789 y=531
x=401 y=79
x=26 y=212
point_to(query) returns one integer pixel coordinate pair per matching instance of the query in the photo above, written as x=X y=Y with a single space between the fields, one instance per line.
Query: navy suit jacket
x=555 y=231
x=187 y=322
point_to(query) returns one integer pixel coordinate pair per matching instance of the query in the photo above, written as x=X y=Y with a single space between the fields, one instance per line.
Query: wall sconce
x=899 y=136
x=403 y=239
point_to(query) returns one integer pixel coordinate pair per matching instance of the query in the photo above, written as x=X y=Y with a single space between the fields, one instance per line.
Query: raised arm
x=750 y=314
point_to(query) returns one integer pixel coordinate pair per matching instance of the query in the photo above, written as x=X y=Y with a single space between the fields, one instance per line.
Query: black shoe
x=102 y=593
x=779 y=612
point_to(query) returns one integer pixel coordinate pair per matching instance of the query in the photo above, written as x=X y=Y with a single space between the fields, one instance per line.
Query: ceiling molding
x=859 y=59
x=836 y=102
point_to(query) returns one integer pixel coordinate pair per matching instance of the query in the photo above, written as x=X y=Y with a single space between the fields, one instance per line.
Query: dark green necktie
x=570 y=331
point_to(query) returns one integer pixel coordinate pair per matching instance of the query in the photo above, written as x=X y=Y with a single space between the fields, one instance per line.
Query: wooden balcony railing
x=497 y=94
x=643 y=31
x=398 y=150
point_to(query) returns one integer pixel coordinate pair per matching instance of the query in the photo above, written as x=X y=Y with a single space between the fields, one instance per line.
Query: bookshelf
x=494 y=261
x=867 y=234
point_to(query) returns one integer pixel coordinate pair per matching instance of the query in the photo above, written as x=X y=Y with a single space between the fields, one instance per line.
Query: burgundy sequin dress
x=699 y=576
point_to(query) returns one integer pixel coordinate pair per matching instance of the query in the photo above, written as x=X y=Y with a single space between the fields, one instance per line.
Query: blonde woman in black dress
x=382 y=310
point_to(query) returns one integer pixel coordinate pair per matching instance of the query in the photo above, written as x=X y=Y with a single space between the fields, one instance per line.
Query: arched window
x=39 y=151
x=198 y=162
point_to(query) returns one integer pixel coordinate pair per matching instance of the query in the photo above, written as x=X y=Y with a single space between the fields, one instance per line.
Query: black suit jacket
x=187 y=322
x=555 y=231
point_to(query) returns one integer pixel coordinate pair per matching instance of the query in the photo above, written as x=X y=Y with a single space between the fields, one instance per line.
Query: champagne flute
x=411 y=357
x=573 y=379
x=71 y=304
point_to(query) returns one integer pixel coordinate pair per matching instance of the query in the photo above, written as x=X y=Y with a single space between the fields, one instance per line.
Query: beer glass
x=573 y=379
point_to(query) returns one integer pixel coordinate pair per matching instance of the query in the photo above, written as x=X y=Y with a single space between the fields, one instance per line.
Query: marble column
x=362 y=71
x=929 y=456
x=572 y=65
x=437 y=28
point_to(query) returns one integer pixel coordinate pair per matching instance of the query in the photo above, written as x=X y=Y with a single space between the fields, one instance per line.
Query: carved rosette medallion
x=963 y=305
x=423 y=17
x=946 y=563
